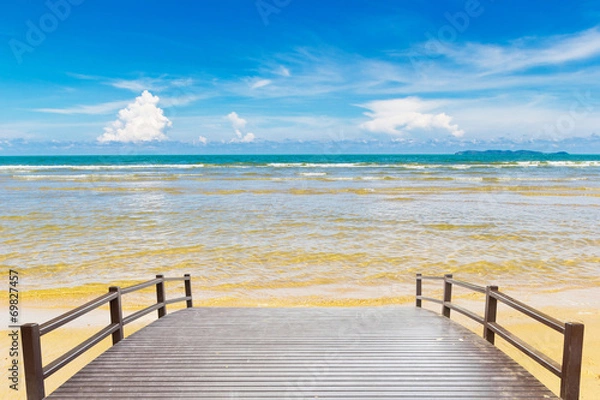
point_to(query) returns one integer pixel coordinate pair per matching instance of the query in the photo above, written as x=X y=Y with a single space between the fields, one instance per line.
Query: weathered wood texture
x=303 y=353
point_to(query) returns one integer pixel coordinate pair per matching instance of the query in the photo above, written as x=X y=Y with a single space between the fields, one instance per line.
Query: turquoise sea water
x=301 y=229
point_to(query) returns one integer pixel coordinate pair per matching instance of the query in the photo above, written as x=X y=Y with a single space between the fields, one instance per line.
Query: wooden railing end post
x=188 y=290
x=571 y=365
x=32 y=361
x=419 y=289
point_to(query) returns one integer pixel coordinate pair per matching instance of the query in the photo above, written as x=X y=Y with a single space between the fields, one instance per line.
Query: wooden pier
x=298 y=353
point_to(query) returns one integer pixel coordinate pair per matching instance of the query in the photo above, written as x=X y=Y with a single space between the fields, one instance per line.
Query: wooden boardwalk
x=303 y=353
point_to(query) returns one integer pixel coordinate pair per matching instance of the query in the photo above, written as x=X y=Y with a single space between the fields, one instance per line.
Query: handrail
x=539 y=316
x=139 y=314
x=534 y=354
x=430 y=299
x=569 y=371
x=31 y=334
x=72 y=354
x=67 y=317
x=177 y=300
x=142 y=285
x=467 y=285
x=465 y=312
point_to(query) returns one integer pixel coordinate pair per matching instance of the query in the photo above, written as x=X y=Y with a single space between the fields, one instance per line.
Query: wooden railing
x=569 y=371
x=36 y=372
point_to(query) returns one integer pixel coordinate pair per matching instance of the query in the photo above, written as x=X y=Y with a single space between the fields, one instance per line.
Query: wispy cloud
x=525 y=53
x=178 y=101
x=137 y=85
x=283 y=71
x=83 y=77
x=154 y=84
x=94 y=109
x=258 y=83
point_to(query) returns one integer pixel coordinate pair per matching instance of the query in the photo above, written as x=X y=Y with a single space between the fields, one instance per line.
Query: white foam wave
x=30 y=168
x=469 y=179
x=319 y=165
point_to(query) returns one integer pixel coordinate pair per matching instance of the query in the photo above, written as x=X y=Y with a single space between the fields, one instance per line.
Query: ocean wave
x=402 y=165
x=313 y=173
x=321 y=165
x=99 y=167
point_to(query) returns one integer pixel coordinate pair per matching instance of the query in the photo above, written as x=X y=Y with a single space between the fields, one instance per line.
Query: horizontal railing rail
x=31 y=334
x=569 y=372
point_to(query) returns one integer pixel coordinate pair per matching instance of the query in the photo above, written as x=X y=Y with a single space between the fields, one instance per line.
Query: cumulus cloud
x=239 y=124
x=202 y=140
x=140 y=121
x=398 y=116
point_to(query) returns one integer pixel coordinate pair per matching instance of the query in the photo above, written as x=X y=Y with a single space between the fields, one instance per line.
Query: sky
x=294 y=76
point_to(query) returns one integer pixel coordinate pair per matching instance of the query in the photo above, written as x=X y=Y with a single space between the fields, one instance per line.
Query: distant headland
x=508 y=153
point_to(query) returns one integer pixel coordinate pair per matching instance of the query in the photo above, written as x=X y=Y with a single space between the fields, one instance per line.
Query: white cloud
x=249 y=137
x=202 y=140
x=236 y=121
x=260 y=83
x=525 y=53
x=182 y=100
x=283 y=71
x=102 y=108
x=239 y=124
x=397 y=116
x=145 y=83
x=140 y=121
x=134 y=85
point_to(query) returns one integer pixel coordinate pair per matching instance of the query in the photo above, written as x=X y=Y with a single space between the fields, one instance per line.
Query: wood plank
x=325 y=353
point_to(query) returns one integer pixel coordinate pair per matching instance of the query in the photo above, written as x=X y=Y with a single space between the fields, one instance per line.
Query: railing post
x=419 y=289
x=188 y=290
x=32 y=361
x=160 y=296
x=116 y=314
x=491 y=309
x=447 y=295
x=571 y=365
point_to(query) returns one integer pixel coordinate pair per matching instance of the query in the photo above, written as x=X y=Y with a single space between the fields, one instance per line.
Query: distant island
x=508 y=153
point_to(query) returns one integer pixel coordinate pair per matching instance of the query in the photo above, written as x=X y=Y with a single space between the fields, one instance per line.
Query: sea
x=300 y=230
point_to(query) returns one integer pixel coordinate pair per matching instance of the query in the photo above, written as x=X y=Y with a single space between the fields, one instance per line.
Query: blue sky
x=85 y=76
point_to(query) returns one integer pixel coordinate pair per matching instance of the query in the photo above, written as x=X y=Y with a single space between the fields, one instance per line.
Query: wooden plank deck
x=303 y=353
